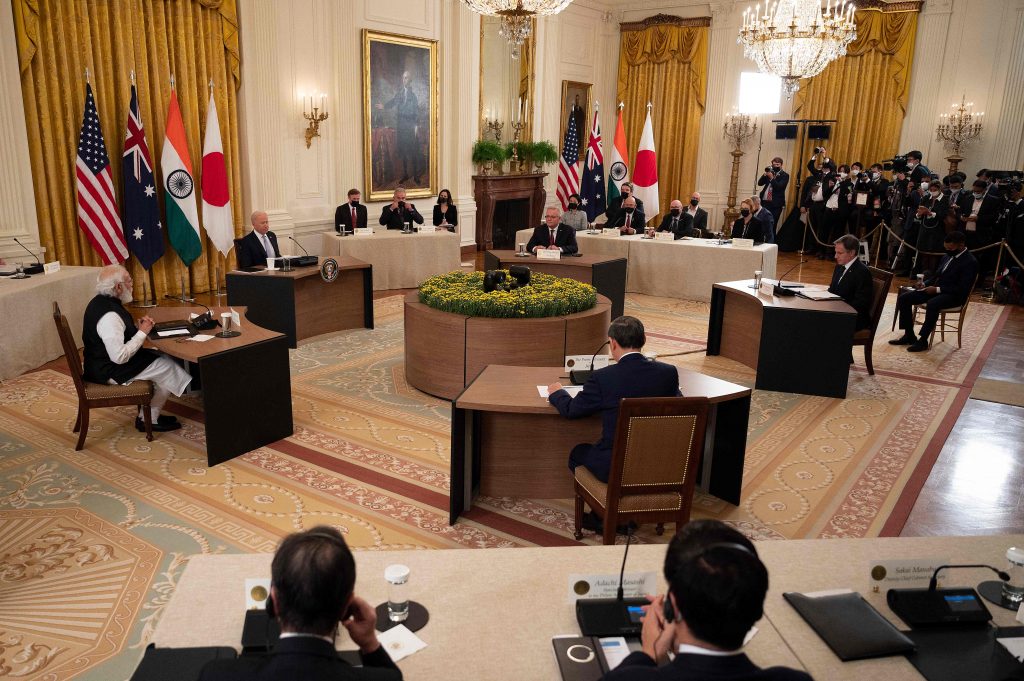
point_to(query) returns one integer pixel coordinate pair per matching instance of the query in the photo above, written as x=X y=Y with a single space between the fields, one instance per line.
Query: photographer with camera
x=773 y=185
x=818 y=188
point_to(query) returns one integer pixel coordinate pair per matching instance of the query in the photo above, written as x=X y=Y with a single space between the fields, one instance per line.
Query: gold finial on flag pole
x=211 y=85
x=622 y=105
x=172 y=81
x=132 y=74
x=87 y=76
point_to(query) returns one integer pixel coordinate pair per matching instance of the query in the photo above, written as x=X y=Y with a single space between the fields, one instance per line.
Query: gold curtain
x=57 y=40
x=866 y=91
x=664 y=61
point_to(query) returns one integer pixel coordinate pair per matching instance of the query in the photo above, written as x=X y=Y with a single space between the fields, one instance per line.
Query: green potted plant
x=486 y=153
x=542 y=153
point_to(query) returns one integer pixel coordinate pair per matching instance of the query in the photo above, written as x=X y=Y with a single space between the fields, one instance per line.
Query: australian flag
x=142 y=229
x=592 y=179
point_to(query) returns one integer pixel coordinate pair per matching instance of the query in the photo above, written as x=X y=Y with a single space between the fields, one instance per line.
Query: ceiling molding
x=662 y=20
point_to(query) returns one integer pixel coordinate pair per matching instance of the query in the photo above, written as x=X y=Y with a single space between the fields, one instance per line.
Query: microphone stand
x=183 y=298
x=145 y=293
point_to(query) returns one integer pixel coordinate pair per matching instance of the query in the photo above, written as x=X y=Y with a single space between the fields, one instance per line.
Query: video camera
x=897 y=164
x=1002 y=179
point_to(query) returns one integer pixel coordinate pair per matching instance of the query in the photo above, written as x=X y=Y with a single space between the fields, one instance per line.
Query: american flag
x=568 y=164
x=141 y=209
x=97 y=206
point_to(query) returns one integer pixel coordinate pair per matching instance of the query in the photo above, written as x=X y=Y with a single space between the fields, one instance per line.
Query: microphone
x=298 y=244
x=31 y=269
x=933 y=582
x=619 y=595
x=778 y=289
x=617 y=616
x=581 y=376
x=204 y=321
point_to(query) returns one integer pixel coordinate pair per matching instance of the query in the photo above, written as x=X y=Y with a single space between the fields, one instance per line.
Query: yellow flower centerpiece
x=545 y=296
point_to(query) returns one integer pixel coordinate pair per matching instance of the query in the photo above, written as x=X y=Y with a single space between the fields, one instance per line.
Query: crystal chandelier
x=516 y=16
x=796 y=39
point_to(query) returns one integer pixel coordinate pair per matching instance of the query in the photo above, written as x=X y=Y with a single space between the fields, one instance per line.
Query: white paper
x=583 y=361
x=172 y=332
x=742 y=243
x=634 y=585
x=610 y=231
x=828 y=592
x=201 y=338
x=548 y=254
x=1020 y=613
x=820 y=295
x=615 y=650
x=400 y=642
x=573 y=390
x=363 y=231
x=750 y=635
x=905 y=573
x=51 y=267
x=664 y=236
x=236 y=319
x=1015 y=646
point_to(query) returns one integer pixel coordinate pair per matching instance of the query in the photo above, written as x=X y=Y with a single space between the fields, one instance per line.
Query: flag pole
x=183 y=298
x=146 y=291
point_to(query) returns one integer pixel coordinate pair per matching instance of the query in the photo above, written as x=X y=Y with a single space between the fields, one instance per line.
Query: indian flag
x=182 y=215
x=619 y=168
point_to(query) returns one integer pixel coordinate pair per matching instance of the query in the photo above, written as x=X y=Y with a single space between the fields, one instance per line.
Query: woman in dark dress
x=747 y=226
x=446 y=215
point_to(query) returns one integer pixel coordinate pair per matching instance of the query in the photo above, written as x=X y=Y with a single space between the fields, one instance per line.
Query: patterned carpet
x=92 y=543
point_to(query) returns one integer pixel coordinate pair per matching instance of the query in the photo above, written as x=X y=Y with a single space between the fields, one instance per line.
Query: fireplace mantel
x=489 y=189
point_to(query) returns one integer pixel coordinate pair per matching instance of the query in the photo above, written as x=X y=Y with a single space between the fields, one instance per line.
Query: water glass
x=1013 y=590
x=397 y=577
x=757 y=278
x=522 y=249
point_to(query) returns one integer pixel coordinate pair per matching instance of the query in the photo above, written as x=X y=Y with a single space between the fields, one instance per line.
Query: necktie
x=353 y=218
x=675 y=224
x=267 y=247
x=551 y=239
x=842 y=273
x=629 y=219
x=768 y=194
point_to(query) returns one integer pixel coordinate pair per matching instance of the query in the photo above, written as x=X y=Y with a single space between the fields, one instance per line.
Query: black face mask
x=953 y=252
x=744 y=212
x=354 y=202
x=625 y=195
x=694 y=202
x=442 y=200
x=675 y=212
x=629 y=211
x=573 y=206
x=401 y=204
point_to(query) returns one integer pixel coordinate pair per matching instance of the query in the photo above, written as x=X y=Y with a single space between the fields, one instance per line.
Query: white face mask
x=935 y=195
x=842 y=176
x=875 y=176
x=924 y=186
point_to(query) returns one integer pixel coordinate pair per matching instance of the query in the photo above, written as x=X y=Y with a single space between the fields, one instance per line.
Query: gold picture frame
x=400 y=108
x=572 y=92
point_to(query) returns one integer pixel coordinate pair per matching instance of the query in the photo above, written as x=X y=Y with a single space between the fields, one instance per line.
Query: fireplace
x=504 y=204
x=510 y=215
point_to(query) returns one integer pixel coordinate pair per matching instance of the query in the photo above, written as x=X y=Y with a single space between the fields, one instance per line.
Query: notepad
x=819 y=295
x=172 y=332
x=573 y=390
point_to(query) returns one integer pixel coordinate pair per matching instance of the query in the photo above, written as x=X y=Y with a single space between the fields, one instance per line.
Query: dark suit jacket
x=856 y=289
x=310 y=659
x=755 y=229
x=565 y=238
x=452 y=215
x=778 y=186
x=639 y=666
x=957 y=278
x=250 y=251
x=765 y=216
x=637 y=222
x=700 y=220
x=684 y=227
x=985 y=225
x=615 y=207
x=396 y=219
x=633 y=376
x=343 y=216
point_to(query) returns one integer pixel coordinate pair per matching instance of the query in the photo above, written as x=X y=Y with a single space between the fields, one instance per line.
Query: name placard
x=256 y=592
x=51 y=267
x=583 y=362
x=608 y=231
x=767 y=288
x=907 y=573
x=549 y=254
x=363 y=231
x=634 y=585
x=742 y=243
x=664 y=236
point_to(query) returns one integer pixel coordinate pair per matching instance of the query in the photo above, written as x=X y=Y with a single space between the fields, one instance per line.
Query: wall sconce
x=315 y=115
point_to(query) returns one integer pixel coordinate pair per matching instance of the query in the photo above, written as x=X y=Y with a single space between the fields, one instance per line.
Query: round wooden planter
x=444 y=352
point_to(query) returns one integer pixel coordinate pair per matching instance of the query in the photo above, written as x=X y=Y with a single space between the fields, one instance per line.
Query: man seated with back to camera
x=716 y=590
x=312 y=579
x=633 y=375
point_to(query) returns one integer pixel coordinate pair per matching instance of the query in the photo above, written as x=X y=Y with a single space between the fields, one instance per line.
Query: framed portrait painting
x=400 y=105
x=576 y=99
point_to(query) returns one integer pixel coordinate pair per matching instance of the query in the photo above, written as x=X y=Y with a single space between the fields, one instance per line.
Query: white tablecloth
x=686 y=268
x=399 y=260
x=28 y=337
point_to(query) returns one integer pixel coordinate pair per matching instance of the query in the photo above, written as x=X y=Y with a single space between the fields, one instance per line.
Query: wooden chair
x=880 y=282
x=941 y=325
x=658 y=446
x=95 y=395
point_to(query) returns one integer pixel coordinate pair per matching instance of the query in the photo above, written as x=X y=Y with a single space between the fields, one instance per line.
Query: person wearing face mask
x=699 y=215
x=747 y=226
x=917 y=172
x=979 y=210
x=573 y=215
x=837 y=206
x=1011 y=224
x=949 y=286
x=818 y=188
x=678 y=221
x=631 y=218
x=773 y=189
x=394 y=215
x=615 y=205
x=351 y=215
x=929 y=219
x=446 y=215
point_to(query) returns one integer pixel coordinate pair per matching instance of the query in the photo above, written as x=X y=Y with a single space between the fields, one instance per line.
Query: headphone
x=668 y=610
x=338 y=544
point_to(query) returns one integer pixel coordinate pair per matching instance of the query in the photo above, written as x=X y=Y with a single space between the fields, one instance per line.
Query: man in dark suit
x=259 y=244
x=615 y=205
x=633 y=375
x=352 y=215
x=851 y=279
x=630 y=219
x=699 y=215
x=979 y=210
x=311 y=591
x=1011 y=225
x=948 y=287
x=394 y=215
x=716 y=590
x=677 y=221
x=553 y=234
x=766 y=217
x=773 y=185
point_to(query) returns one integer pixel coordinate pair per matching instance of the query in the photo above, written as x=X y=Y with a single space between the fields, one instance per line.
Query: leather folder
x=850 y=626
